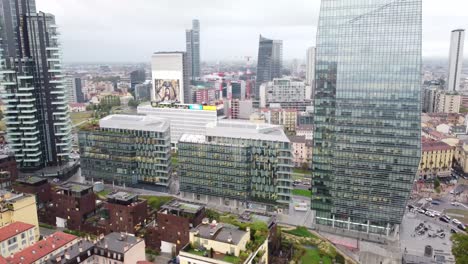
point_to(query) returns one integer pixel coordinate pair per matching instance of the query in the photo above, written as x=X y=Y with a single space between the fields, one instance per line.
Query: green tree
x=436 y=183
x=460 y=248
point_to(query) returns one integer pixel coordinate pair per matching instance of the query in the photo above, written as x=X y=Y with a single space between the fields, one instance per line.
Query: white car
x=436 y=213
x=429 y=213
x=455 y=203
x=456 y=221
x=429 y=199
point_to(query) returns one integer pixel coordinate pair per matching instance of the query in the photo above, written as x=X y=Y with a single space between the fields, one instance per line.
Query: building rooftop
x=246 y=130
x=297 y=139
x=32 y=180
x=181 y=206
x=219 y=232
x=6 y=196
x=435 y=146
x=13 y=229
x=41 y=249
x=122 y=196
x=72 y=252
x=305 y=127
x=74 y=187
x=135 y=122
x=118 y=242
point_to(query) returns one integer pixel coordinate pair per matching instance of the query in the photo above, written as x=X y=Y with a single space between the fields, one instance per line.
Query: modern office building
x=288 y=93
x=367 y=123
x=310 y=66
x=184 y=118
x=137 y=77
x=127 y=149
x=32 y=88
x=457 y=42
x=143 y=91
x=238 y=164
x=170 y=77
x=192 y=38
x=270 y=61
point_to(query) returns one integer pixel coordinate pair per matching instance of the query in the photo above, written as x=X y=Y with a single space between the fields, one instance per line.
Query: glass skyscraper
x=367 y=112
x=269 y=63
x=192 y=37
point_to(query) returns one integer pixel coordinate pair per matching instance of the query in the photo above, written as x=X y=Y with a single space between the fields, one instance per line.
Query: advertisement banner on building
x=167 y=90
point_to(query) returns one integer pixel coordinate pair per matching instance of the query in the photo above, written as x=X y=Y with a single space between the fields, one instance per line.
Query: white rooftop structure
x=246 y=130
x=135 y=122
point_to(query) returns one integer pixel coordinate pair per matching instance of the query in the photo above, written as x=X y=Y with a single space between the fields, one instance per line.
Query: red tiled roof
x=41 y=248
x=13 y=229
x=435 y=145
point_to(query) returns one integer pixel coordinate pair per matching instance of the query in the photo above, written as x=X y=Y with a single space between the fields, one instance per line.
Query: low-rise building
x=39 y=187
x=71 y=204
x=278 y=116
x=42 y=251
x=436 y=159
x=301 y=151
x=127 y=212
x=15 y=237
x=18 y=207
x=170 y=231
x=8 y=171
x=219 y=243
x=77 y=107
x=127 y=149
x=305 y=130
x=119 y=248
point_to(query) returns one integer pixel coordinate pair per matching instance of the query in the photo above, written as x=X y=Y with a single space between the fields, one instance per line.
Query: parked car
x=453 y=231
x=455 y=203
x=436 y=213
x=429 y=199
x=456 y=221
x=429 y=213
x=421 y=210
x=410 y=206
x=435 y=202
x=461 y=227
x=444 y=219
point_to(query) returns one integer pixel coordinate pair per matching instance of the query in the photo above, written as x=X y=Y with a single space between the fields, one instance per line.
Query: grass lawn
x=78 y=117
x=102 y=194
x=300 y=192
x=312 y=256
x=302 y=171
x=231 y=259
x=455 y=213
x=301 y=231
x=155 y=202
x=196 y=252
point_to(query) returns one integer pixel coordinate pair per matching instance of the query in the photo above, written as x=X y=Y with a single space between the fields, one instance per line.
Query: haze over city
x=128 y=31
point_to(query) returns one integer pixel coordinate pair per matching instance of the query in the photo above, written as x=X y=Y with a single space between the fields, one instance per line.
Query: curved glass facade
x=367 y=112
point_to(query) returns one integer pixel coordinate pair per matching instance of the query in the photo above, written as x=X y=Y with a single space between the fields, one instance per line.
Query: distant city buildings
x=74 y=90
x=143 y=91
x=438 y=100
x=457 y=41
x=310 y=66
x=137 y=77
x=278 y=116
x=301 y=151
x=184 y=118
x=269 y=63
x=170 y=77
x=237 y=164
x=127 y=149
x=37 y=120
x=287 y=93
x=366 y=135
x=192 y=38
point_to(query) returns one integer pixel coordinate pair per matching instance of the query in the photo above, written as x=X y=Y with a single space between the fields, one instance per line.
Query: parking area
x=418 y=231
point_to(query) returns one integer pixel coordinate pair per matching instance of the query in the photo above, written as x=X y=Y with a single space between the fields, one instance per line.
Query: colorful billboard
x=167 y=90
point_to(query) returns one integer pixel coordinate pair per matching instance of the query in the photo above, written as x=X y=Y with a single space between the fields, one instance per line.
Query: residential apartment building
x=436 y=159
x=269 y=62
x=74 y=90
x=38 y=187
x=33 y=90
x=285 y=117
x=301 y=151
x=119 y=248
x=126 y=212
x=15 y=237
x=461 y=156
x=367 y=134
x=237 y=164
x=169 y=233
x=70 y=205
x=219 y=240
x=447 y=102
x=184 y=118
x=127 y=149
x=8 y=170
x=287 y=93
x=305 y=130
x=18 y=207
x=240 y=109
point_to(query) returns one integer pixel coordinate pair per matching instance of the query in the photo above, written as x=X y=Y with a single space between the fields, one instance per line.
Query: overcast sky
x=131 y=30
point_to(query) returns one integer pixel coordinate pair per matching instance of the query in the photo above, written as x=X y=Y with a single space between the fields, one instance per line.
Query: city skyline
x=92 y=32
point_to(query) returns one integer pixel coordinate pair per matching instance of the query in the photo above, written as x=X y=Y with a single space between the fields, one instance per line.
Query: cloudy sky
x=131 y=30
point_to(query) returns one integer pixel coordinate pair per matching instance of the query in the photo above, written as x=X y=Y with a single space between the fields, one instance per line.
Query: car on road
x=435 y=202
x=461 y=227
x=429 y=213
x=456 y=221
x=436 y=213
x=455 y=203
x=453 y=231
x=421 y=210
x=410 y=206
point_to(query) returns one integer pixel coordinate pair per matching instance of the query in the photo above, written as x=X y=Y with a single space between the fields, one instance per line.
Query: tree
x=436 y=183
x=460 y=248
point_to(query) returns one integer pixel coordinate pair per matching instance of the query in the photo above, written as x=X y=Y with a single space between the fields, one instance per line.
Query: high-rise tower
x=367 y=132
x=193 y=49
x=32 y=87
x=270 y=61
x=455 y=59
